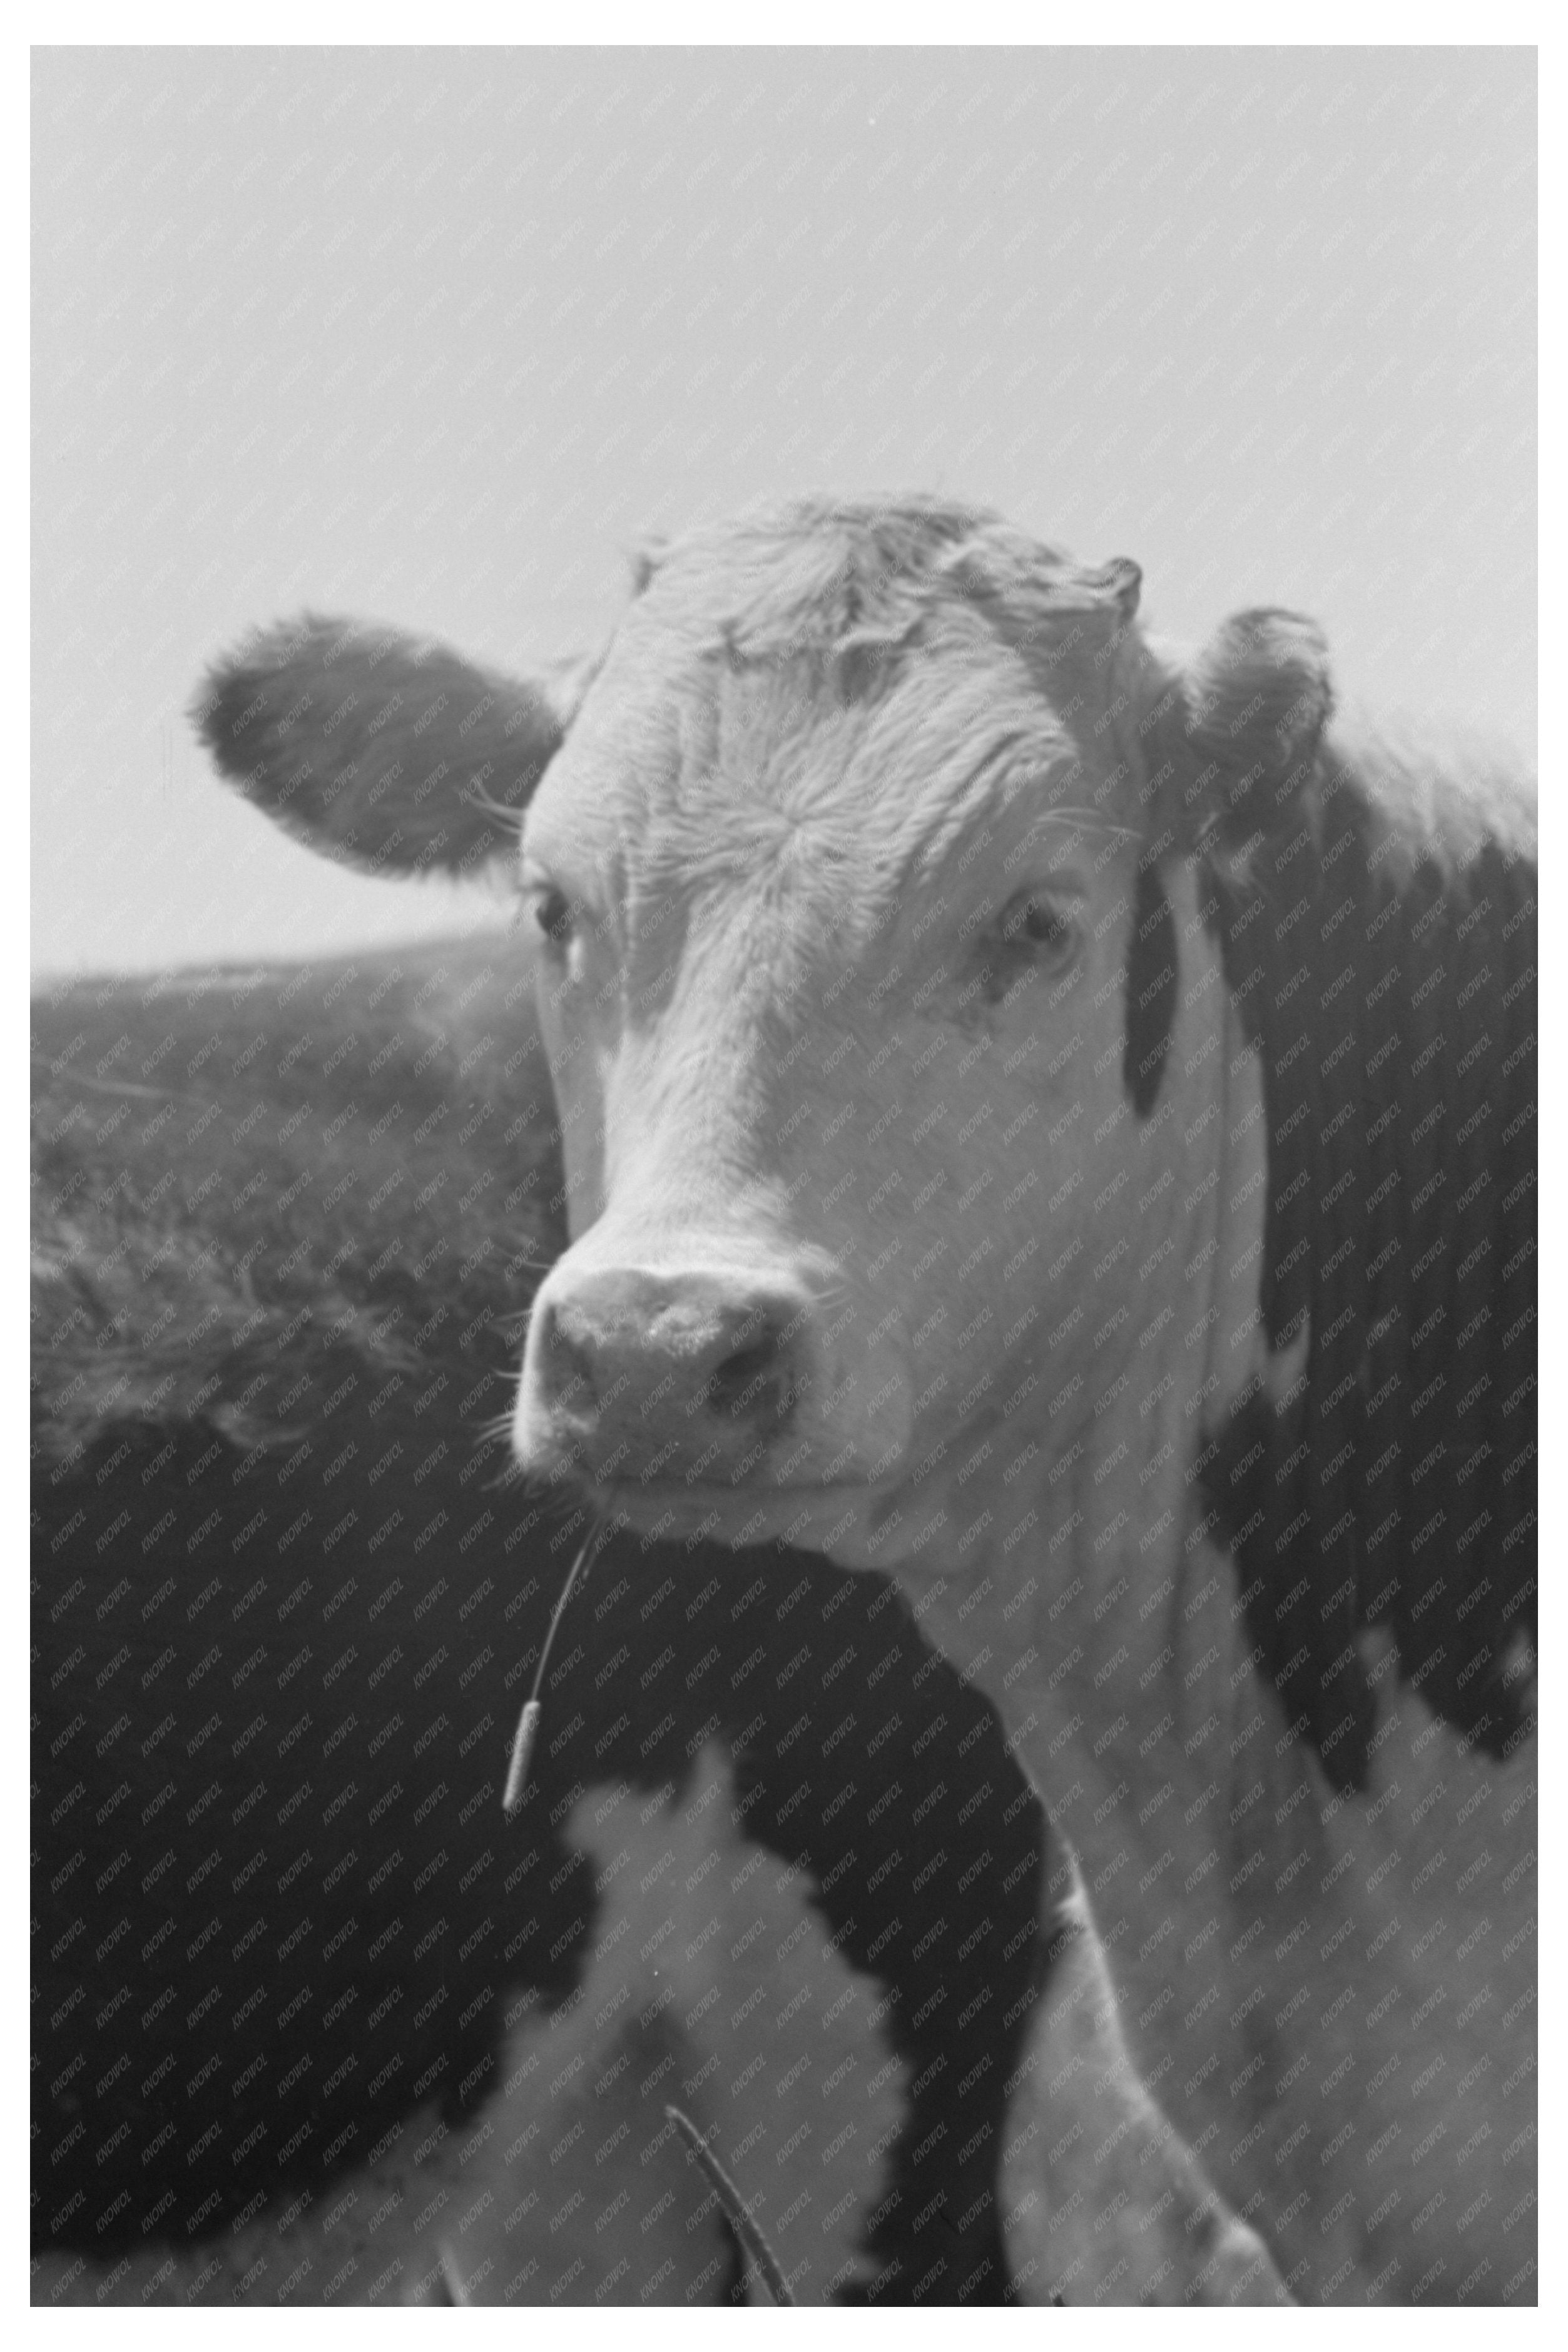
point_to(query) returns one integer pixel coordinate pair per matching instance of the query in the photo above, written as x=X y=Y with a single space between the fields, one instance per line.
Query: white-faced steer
x=1055 y=1123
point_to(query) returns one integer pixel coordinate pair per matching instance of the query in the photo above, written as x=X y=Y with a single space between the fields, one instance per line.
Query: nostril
x=752 y=1380
x=569 y=1366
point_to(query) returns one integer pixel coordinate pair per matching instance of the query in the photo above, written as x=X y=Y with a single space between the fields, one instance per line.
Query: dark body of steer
x=288 y=1956
x=312 y=2023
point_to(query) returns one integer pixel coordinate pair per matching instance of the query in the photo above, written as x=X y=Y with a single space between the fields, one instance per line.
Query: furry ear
x=387 y=752
x=1236 y=734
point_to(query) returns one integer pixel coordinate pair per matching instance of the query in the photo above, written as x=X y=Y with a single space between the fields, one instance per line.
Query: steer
x=1051 y=1119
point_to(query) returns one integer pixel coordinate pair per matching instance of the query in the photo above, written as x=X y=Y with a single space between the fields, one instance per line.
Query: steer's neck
x=1103 y=1623
x=1094 y=1606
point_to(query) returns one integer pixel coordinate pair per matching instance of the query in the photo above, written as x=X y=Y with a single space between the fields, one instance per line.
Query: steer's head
x=855 y=972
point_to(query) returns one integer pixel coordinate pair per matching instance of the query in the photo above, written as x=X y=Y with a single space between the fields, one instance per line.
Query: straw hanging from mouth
x=527 y=1733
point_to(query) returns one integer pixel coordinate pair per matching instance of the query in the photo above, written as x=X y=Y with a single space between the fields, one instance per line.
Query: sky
x=437 y=337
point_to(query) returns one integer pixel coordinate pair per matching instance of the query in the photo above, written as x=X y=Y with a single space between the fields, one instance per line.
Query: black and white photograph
x=784 y=1086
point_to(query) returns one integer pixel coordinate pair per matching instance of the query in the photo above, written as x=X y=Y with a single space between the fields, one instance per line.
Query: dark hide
x=1153 y=981
x=1385 y=963
x=286 y=1604
x=1376 y=918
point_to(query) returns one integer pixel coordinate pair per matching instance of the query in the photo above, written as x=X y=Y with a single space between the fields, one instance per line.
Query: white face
x=835 y=1003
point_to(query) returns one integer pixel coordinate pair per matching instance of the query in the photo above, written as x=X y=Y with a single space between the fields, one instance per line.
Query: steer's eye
x=1035 y=923
x=1035 y=939
x=553 y=916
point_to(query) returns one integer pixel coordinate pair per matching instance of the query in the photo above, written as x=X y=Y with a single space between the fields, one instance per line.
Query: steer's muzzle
x=640 y=1375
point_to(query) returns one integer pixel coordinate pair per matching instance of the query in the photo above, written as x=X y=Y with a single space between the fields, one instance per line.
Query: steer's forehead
x=826 y=712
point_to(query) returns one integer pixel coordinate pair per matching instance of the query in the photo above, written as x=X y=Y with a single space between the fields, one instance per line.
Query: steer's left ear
x=1236 y=734
x=377 y=749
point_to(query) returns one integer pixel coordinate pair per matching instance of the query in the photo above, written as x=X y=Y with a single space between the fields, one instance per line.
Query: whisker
x=477 y=797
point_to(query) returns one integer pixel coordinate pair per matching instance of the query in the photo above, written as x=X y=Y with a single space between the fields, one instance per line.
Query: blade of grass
x=740 y=2220
x=527 y=1729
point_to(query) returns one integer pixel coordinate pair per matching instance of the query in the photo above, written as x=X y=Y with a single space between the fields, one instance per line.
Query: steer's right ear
x=1235 y=732
x=385 y=752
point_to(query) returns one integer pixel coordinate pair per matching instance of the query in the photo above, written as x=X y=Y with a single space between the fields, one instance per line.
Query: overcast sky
x=435 y=337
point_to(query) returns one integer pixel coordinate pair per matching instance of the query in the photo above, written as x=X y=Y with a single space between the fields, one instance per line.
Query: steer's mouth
x=713 y=1403
x=760 y=1486
x=840 y=1517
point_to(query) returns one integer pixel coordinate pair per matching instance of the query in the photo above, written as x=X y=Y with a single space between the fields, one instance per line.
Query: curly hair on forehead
x=857 y=581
